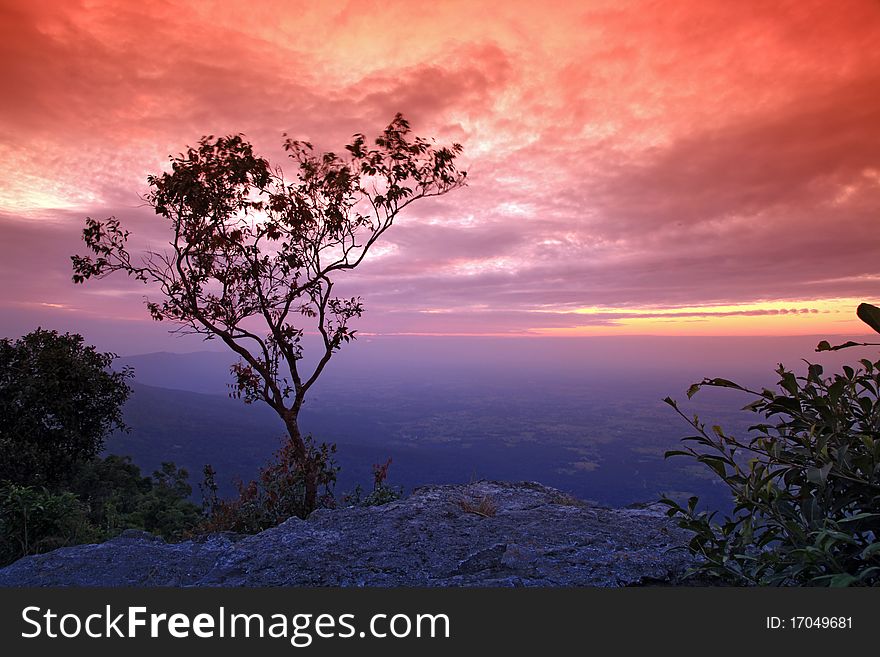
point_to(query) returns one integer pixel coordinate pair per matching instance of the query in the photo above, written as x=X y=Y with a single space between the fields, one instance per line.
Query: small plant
x=281 y=491
x=381 y=494
x=484 y=507
x=806 y=483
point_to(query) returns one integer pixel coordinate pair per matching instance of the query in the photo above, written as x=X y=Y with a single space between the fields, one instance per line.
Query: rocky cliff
x=480 y=534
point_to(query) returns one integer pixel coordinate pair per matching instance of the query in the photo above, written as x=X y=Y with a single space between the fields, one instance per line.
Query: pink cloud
x=621 y=155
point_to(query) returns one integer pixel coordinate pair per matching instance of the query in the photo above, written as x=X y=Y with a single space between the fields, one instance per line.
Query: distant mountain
x=675 y=361
x=201 y=371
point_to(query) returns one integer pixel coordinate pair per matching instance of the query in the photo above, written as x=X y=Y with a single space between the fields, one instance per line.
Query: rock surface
x=537 y=536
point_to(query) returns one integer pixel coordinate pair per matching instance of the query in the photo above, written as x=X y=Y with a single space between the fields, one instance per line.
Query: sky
x=662 y=168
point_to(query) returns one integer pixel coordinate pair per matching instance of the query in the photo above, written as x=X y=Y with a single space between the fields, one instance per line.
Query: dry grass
x=485 y=507
x=564 y=499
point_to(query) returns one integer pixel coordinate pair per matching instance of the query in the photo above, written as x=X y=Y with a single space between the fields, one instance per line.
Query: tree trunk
x=292 y=424
x=304 y=460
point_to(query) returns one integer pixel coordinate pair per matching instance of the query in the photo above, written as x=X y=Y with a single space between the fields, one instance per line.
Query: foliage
x=35 y=520
x=870 y=315
x=382 y=493
x=58 y=401
x=250 y=249
x=277 y=494
x=806 y=488
x=806 y=484
x=101 y=499
x=118 y=497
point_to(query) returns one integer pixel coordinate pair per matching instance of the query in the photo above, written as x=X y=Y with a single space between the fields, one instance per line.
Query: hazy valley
x=584 y=416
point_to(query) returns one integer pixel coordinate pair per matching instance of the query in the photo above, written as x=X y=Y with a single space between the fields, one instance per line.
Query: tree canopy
x=58 y=401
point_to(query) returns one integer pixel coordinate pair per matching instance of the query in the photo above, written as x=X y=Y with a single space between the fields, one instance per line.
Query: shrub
x=34 y=520
x=167 y=510
x=118 y=497
x=806 y=483
x=103 y=498
x=381 y=494
x=806 y=489
x=278 y=493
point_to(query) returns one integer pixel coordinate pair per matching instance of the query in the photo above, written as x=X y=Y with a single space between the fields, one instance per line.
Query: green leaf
x=716 y=463
x=860 y=516
x=842 y=580
x=870 y=315
x=816 y=475
x=789 y=383
x=721 y=383
x=871 y=550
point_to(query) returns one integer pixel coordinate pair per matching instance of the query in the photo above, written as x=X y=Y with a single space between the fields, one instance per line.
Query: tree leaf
x=824 y=346
x=842 y=580
x=871 y=550
x=870 y=315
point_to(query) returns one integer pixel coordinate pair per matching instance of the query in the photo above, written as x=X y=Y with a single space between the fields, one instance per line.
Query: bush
x=381 y=494
x=117 y=497
x=34 y=520
x=278 y=493
x=806 y=483
x=103 y=498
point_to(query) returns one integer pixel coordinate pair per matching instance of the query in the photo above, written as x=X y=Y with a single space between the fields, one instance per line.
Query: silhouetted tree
x=58 y=401
x=253 y=257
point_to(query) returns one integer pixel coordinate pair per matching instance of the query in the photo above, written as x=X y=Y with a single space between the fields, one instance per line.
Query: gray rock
x=534 y=536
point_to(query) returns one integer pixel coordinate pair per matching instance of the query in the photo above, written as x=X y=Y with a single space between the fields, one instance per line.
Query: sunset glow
x=684 y=168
